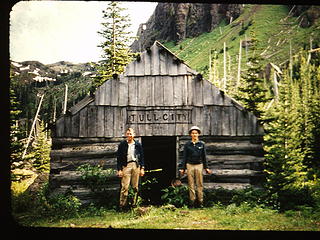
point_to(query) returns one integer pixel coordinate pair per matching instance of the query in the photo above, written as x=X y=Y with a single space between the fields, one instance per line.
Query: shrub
x=40 y=205
x=217 y=196
x=177 y=196
x=65 y=205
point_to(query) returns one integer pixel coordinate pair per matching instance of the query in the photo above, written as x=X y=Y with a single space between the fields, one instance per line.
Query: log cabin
x=160 y=97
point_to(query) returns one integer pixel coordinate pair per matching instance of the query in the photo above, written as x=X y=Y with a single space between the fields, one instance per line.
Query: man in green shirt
x=194 y=161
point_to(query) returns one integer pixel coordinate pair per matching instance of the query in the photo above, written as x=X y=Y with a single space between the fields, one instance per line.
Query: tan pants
x=130 y=174
x=194 y=173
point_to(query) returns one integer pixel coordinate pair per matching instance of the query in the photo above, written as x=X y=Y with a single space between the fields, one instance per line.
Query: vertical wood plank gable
x=60 y=127
x=163 y=61
x=142 y=91
x=240 y=123
x=233 y=121
x=216 y=113
x=146 y=58
x=172 y=66
x=197 y=92
x=108 y=121
x=139 y=67
x=114 y=92
x=225 y=121
x=182 y=69
x=123 y=90
x=158 y=91
x=149 y=91
x=92 y=121
x=189 y=93
x=132 y=91
x=97 y=98
x=155 y=62
x=168 y=90
x=129 y=71
x=75 y=122
x=206 y=115
x=100 y=121
x=107 y=92
x=178 y=88
x=154 y=83
x=103 y=92
x=83 y=127
x=67 y=125
x=207 y=93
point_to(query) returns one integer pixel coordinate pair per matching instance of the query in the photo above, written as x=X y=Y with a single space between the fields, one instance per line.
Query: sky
x=53 y=31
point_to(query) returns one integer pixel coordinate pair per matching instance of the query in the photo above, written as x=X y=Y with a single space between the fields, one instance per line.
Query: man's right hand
x=182 y=171
x=120 y=174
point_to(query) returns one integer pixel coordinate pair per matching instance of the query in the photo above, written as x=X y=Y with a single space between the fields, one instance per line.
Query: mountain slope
x=29 y=78
x=273 y=25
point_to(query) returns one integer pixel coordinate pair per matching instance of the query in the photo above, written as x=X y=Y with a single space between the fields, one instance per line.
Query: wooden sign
x=159 y=116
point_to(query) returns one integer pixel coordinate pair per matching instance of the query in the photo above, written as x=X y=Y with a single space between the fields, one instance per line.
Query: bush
x=177 y=196
x=65 y=206
x=294 y=197
x=217 y=196
x=40 y=205
x=146 y=193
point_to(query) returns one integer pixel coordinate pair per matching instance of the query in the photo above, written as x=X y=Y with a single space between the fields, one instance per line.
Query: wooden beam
x=32 y=127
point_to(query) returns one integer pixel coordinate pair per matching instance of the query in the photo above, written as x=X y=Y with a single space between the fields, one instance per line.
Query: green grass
x=218 y=217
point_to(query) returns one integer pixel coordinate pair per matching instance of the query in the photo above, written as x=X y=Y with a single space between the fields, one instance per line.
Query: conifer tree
x=276 y=139
x=41 y=159
x=292 y=137
x=115 y=46
x=252 y=93
x=309 y=80
x=16 y=146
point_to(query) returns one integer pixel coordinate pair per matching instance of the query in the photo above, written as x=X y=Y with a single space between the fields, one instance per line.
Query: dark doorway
x=160 y=153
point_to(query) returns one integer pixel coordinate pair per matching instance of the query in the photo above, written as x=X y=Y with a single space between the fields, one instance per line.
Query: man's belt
x=131 y=161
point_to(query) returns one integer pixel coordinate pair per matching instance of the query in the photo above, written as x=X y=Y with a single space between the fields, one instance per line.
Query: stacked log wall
x=70 y=153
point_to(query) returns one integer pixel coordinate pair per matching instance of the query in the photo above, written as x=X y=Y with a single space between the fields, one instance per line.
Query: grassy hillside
x=271 y=25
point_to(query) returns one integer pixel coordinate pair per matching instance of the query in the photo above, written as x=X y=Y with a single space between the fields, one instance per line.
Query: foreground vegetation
x=248 y=209
x=217 y=217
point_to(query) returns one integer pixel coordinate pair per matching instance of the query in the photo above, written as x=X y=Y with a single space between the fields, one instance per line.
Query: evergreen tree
x=116 y=50
x=252 y=93
x=16 y=146
x=292 y=137
x=276 y=139
x=41 y=159
x=309 y=80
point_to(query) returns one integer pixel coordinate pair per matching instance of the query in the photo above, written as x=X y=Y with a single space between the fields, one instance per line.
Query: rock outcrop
x=177 y=21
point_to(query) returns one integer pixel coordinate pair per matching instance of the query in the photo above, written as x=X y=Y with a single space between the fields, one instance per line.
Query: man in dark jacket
x=194 y=160
x=130 y=165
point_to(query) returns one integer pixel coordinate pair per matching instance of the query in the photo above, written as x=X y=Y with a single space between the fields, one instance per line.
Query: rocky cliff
x=177 y=21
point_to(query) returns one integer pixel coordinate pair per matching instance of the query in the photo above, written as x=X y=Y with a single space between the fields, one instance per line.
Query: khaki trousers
x=130 y=174
x=195 y=177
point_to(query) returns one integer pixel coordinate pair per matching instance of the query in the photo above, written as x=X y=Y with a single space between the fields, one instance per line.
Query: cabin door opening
x=160 y=158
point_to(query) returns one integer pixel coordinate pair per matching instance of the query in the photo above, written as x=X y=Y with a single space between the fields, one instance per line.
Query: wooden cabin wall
x=236 y=162
x=107 y=121
x=70 y=153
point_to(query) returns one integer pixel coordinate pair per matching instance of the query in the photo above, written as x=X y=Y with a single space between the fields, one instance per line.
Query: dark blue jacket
x=123 y=152
x=194 y=154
